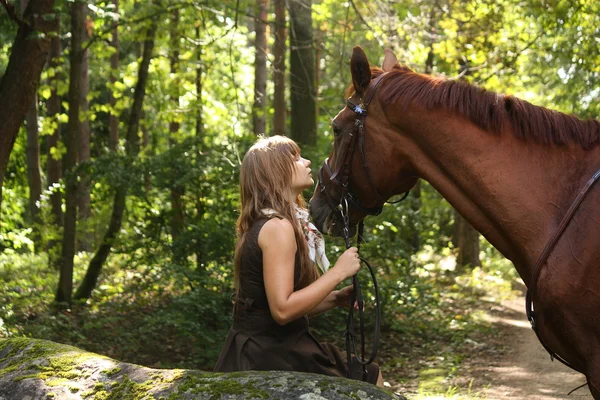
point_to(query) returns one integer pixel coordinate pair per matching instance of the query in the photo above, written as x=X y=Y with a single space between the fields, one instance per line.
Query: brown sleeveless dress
x=257 y=342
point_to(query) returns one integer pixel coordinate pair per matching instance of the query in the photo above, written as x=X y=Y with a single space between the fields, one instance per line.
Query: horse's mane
x=490 y=111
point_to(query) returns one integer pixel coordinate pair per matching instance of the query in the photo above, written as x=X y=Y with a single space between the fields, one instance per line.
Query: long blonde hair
x=265 y=176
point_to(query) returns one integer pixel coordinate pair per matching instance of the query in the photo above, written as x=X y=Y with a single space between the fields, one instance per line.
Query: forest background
x=122 y=126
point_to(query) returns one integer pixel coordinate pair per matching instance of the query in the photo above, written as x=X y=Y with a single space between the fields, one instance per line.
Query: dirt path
x=524 y=371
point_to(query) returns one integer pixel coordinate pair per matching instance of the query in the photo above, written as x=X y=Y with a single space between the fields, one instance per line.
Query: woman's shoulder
x=276 y=232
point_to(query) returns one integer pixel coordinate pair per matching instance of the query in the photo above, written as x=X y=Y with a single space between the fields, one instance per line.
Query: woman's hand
x=348 y=264
x=342 y=297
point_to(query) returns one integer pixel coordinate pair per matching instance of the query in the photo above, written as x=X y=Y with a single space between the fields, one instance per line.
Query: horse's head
x=365 y=168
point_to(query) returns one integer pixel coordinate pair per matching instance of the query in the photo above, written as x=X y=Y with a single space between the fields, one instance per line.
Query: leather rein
x=340 y=178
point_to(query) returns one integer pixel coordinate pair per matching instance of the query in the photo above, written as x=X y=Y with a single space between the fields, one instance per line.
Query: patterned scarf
x=314 y=238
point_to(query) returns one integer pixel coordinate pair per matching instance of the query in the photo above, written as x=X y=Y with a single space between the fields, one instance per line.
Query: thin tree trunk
x=113 y=133
x=466 y=239
x=177 y=211
x=199 y=135
x=132 y=149
x=84 y=241
x=199 y=123
x=415 y=205
x=65 y=284
x=34 y=174
x=53 y=160
x=22 y=76
x=146 y=142
x=302 y=73
x=259 y=109
x=318 y=51
x=279 y=106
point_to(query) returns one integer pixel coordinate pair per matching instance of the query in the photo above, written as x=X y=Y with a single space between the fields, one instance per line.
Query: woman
x=277 y=284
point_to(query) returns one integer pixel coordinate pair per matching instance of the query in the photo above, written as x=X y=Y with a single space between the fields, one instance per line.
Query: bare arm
x=337 y=298
x=326 y=305
x=277 y=242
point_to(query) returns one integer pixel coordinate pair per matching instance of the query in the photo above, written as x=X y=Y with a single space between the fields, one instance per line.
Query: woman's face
x=301 y=178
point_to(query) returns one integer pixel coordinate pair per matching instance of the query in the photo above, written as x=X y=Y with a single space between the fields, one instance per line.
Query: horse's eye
x=336 y=130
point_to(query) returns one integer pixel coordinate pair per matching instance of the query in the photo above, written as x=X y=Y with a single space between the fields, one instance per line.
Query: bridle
x=340 y=178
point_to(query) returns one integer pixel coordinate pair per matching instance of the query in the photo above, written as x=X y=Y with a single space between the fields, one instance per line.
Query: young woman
x=277 y=283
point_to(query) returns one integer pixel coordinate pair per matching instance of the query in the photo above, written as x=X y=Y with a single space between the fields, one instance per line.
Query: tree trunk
x=145 y=145
x=415 y=205
x=85 y=237
x=177 y=211
x=318 y=51
x=132 y=149
x=65 y=283
x=22 y=76
x=199 y=123
x=259 y=109
x=279 y=106
x=467 y=241
x=34 y=174
x=302 y=73
x=113 y=133
x=199 y=136
x=53 y=160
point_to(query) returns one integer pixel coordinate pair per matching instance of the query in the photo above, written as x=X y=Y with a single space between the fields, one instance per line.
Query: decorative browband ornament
x=360 y=109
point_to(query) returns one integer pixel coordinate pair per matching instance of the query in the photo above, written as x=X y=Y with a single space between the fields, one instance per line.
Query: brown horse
x=510 y=168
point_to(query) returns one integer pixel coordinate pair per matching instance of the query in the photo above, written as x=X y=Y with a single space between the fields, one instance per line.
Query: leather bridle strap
x=350 y=335
x=531 y=287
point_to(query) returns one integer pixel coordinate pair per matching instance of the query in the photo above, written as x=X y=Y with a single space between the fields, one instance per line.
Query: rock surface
x=38 y=369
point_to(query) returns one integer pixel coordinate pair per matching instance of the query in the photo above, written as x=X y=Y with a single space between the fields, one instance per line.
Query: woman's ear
x=389 y=61
x=361 y=72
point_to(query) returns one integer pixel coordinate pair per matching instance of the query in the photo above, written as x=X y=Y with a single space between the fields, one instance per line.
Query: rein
x=531 y=288
x=341 y=178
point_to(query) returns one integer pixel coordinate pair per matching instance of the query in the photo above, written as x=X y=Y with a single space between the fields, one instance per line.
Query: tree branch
x=10 y=10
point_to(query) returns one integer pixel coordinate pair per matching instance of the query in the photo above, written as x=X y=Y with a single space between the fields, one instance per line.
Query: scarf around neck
x=314 y=238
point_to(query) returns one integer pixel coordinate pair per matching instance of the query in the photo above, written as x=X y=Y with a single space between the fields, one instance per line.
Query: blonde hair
x=265 y=175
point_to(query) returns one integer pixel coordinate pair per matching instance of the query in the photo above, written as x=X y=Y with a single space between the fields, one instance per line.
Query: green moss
x=101 y=395
x=8 y=369
x=112 y=371
x=218 y=387
x=61 y=362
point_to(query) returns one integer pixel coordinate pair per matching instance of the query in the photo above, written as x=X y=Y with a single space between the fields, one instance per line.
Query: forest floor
x=511 y=364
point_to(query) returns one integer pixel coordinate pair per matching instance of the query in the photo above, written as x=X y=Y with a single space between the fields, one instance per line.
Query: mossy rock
x=38 y=369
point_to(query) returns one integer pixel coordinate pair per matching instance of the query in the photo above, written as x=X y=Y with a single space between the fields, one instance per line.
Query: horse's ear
x=389 y=61
x=361 y=72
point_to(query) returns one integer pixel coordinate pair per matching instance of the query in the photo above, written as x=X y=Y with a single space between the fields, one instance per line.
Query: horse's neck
x=513 y=192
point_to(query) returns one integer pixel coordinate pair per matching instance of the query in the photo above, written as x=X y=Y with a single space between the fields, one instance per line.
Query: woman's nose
x=307 y=161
